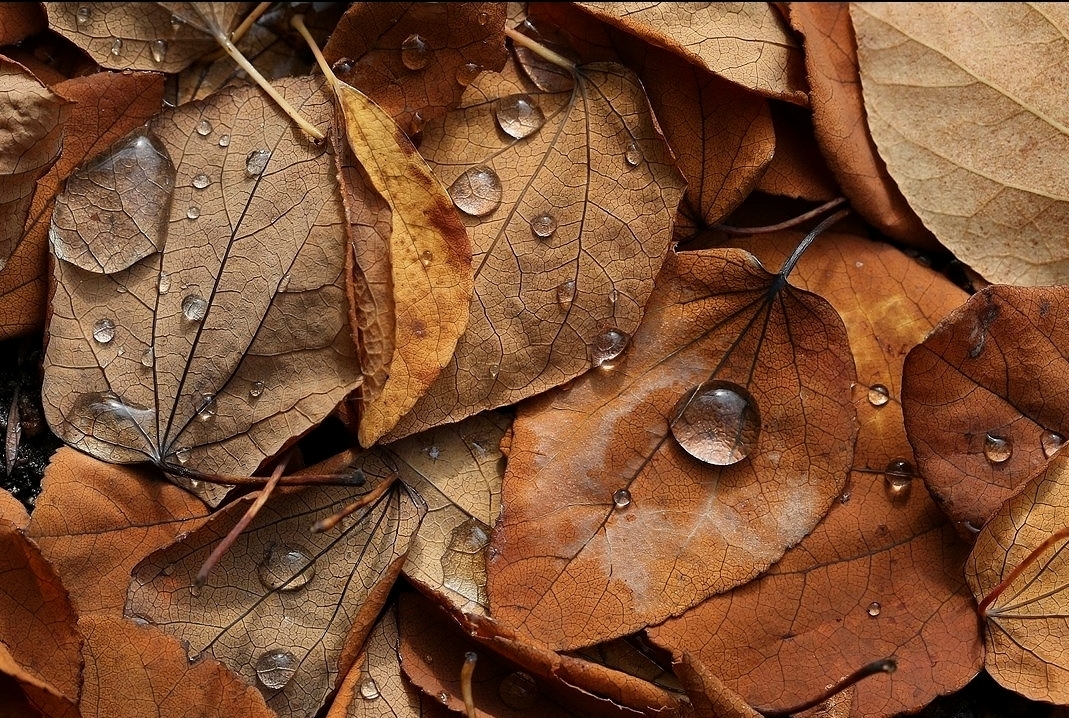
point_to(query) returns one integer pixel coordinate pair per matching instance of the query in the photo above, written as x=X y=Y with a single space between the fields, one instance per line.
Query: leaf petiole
x=1015 y=573
x=884 y=665
x=540 y=50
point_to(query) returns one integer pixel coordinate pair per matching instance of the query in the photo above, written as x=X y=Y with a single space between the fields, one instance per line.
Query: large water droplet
x=607 y=346
x=204 y=128
x=518 y=116
x=1051 y=441
x=256 y=162
x=85 y=14
x=718 y=423
x=116 y=47
x=131 y=186
x=477 y=191
x=104 y=330
x=158 y=50
x=426 y=257
x=163 y=284
x=342 y=66
x=544 y=225
x=206 y=408
x=414 y=52
x=256 y=390
x=565 y=294
x=200 y=181
x=518 y=690
x=194 y=307
x=879 y=395
x=224 y=141
x=275 y=668
x=193 y=212
x=369 y=689
x=286 y=568
x=997 y=449
x=467 y=73
x=874 y=609
x=898 y=479
x=621 y=498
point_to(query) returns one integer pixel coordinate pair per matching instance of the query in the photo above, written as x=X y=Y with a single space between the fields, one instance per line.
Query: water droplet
x=140 y=620
x=284 y=282
x=414 y=52
x=224 y=141
x=206 y=408
x=614 y=296
x=85 y=14
x=493 y=370
x=194 y=307
x=1051 y=441
x=256 y=390
x=879 y=395
x=874 y=609
x=997 y=449
x=286 y=568
x=369 y=689
x=544 y=225
x=417 y=123
x=147 y=357
x=204 y=128
x=342 y=66
x=477 y=192
x=163 y=284
x=518 y=116
x=622 y=498
x=433 y=452
x=718 y=423
x=844 y=497
x=443 y=697
x=158 y=50
x=182 y=455
x=467 y=73
x=201 y=181
x=482 y=18
x=275 y=668
x=193 y=212
x=565 y=294
x=176 y=23
x=607 y=346
x=195 y=590
x=104 y=330
x=633 y=155
x=256 y=162
x=116 y=47
x=897 y=479
x=518 y=690
x=426 y=258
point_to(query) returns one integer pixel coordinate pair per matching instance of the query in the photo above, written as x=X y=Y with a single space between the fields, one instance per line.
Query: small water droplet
x=621 y=498
x=201 y=181
x=898 y=479
x=426 y=258
x=182 y=455
x=256 y=162
x=614 y=296
x=147 y=357
x=874 y=609
x=256 y=390
x=104 y=330
x=163 y=284
x=518 y=116
x=544 y=225
x=121 y=289
x=997 y=449
x=284 y=282
x=417 y=123
x=140 y=620
x=85 y=14
x=607 y=346
x=342 y=66
x=275 y=668
x=482 y=18
x=194 y=307
x=193 y=212
x=1051 y=441
x=565 y=294
x=369 y=689
x=719 y=423
x=158 y=50
x=467 y=73
x=176 y=23
x=433 y=452
x=286 y=568
x=879 y=395
x=518 y=690
x=206 y=408
x=415 y=55
x=493 y=370
x=844 y=497
x=204 y=128
x=224 y=141
x=477 y=191
x=195 y=590
x=633 y=155
x=116 y=47
x=443 y=697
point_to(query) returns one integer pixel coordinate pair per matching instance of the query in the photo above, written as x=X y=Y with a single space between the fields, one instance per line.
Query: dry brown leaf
x=708 y=694
x=214 y=353
x=104 y=106
x=965 y=105
x=609 y=524
x=415 y=59
x=1026 y=627
x=279 y=606
x=12 y=510
x=24 y=694
x=570 y=218
x=839 y=122
x=19 y=20
x=135 y=671
x=748 y=44
x=95 y=521
x=797 y=170
x=986 y=397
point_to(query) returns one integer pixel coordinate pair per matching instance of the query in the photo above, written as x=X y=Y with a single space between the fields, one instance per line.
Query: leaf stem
x=297 y=21
x=466 y=671
x=792 y=260
x=249 y=21
x=372 y=496
x=1015 y=573
x=884 y=665
x=540 y=50
x=786 y=224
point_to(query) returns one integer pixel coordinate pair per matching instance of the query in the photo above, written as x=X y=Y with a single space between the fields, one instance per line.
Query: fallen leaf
x=24 y=694
x=797 y=170
x=708 y=694
x=211 y=355
x=278 y=607
x=569 y=199
x=985 y=397
x=961 y=105
x=12 y=510
x=19 y=20
x=135 y=671
x=1025 y=627
x=610 y=524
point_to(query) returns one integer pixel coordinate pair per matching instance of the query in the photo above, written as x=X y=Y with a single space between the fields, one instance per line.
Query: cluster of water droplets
x=86 y=20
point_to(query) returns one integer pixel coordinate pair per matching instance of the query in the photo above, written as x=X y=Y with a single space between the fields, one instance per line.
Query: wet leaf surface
x=595 y=471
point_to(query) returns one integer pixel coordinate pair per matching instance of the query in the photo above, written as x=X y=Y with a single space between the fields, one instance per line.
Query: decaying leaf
x=569 y=199
x=1026 y=628
x=19 y=20
x=12 y=510
x=708 y=694
x=963 y=106
x=212 y=354
x=718 y=440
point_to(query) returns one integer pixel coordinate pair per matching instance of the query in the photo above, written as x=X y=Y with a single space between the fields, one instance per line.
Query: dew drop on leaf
x=997 y=449
x=104 y=330
x=201 y=181
x=565 y=294
x=369 y=689
x=164 y=283
x=256 y=162
x=147 y=358
x=544 y=225
x=467 y=73
x=477 y=191
x=256 y=390
x=874 y=609
x=518 y=115
x=426 y=258
x=1051 y=441
x=879 y=395
x=116 y=47
x=482 y=18
x=897 y=479
x=193 y=212
x=206 y=408
x=719 y=423
x=607 y=346
x=621 y=498
x=194 y=307
x=224 y=141
x=415 y=55
x=140 y=620
x=286 y=568
x=518 y=690
x=85 y=14
x=493 y=370
x=633 y=155
x=443 y=698
x=342 y=66
x=158 y=50
x=182 y=455
x=204 y=128
x=275 y=668
x=284 y=282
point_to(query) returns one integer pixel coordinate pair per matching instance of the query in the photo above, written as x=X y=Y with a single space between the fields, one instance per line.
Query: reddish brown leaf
x=708 y=694
x=797 y=171
x=19 y=20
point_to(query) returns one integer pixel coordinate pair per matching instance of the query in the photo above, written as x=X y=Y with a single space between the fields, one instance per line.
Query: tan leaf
x=570 y=217
x=797 y=170
x=964 y=104
x=12 y=510
x=595 y=473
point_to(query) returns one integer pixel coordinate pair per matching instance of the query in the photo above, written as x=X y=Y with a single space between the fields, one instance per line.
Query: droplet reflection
x=997 y=449
x=718 y=423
